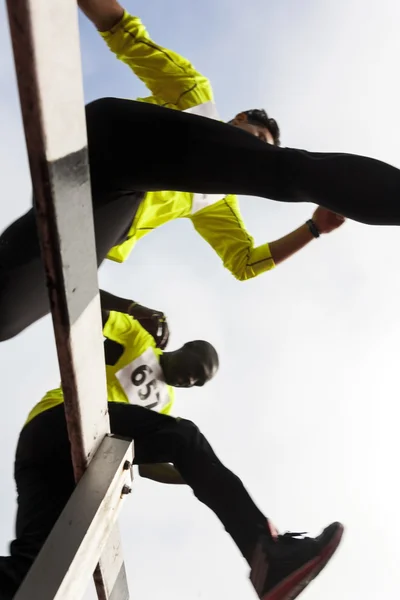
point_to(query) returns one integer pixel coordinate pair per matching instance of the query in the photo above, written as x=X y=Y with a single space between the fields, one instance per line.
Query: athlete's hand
x=326 y=220
x=154 y=321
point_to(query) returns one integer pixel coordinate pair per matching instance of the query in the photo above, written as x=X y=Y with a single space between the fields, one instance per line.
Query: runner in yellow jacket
x=140 y=147
x=139 y=378
x=174 y=83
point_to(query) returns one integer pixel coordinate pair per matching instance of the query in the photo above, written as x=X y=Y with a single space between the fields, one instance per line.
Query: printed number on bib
x=143 y=382
x=139 y=378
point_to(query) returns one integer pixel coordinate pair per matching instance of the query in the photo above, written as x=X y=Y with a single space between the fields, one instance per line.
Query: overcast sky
x=304 y=408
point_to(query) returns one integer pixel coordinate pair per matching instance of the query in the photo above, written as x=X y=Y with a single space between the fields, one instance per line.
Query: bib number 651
x=140 y=378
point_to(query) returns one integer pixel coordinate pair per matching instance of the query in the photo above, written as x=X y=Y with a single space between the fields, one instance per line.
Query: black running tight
x=135 y=146
x=145 y=147
x=44 y=477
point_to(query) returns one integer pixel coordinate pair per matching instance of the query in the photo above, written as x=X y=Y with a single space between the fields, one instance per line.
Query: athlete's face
x=190 y=372
x=257 y=130
x=190 y=366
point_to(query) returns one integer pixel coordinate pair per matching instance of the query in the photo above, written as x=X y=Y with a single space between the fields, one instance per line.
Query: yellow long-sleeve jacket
x=136 y=378
x=175 y=83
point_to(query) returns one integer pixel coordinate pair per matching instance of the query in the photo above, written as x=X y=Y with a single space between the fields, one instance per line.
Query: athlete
x=141 y=377
x=175 y=83
x=138 y=147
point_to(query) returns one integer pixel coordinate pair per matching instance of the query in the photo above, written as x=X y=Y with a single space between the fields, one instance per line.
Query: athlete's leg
x=143 y=146
x=280 y=568
x=23 y=293
x=162 y=439
x=45 y=481
x=44 y=477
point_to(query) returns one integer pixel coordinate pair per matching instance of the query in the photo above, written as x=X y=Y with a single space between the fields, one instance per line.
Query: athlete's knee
x=188 y=429
x=193 y=439
x=9 y=328
x=194 y=454
x=8 y=331
x=99 y=102
x=184 y=436
x=97 y=110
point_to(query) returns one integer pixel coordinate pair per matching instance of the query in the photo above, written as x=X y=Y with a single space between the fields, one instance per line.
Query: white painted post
x=45 y=39
x=63 y=567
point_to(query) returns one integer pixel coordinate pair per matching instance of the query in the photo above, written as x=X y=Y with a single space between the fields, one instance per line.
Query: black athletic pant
x=135 y=146
x=44 y=478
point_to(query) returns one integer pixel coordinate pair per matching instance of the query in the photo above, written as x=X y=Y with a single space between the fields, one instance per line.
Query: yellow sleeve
x=221 y=225
x=172 y=80
x=123 y=328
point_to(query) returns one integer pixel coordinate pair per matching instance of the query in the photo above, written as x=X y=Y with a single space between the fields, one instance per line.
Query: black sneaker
x=283 y=567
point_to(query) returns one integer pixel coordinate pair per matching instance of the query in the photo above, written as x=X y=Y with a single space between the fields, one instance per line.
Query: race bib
x=143 y=382
x=200 y=201
x=207 y=109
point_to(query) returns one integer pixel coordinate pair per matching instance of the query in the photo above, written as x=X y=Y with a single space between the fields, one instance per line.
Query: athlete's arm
x=112 y=350
x=172 y=80
x=325 y=221
x=132 y=334
x=154 y=321
x=162 y=473
x=222 y=226
x=104 y=14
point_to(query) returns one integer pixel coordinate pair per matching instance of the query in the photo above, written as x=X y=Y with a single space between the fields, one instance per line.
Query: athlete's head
x=192 y=365
x=258 y=123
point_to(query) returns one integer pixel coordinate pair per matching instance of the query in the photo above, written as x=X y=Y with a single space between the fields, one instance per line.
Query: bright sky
x=304 y=408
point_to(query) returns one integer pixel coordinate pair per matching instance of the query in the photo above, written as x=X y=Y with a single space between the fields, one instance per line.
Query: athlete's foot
x=283 y=567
